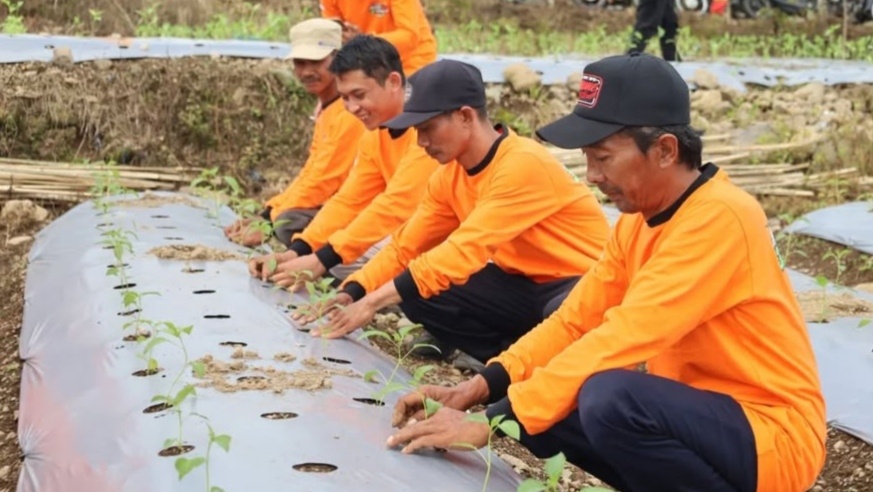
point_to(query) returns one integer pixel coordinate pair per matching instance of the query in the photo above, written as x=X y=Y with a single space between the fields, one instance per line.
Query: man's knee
x=605 y=400
x=291 y=222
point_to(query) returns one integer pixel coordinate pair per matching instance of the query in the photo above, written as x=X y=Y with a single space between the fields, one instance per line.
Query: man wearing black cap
x=690 y=285
x=502 y=229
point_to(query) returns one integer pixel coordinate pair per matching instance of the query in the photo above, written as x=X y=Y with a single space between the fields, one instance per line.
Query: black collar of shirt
x=707 y=171
x=478 y=168
x=325 y=105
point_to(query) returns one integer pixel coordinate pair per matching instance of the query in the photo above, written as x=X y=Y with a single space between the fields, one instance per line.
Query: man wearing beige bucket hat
x=334 y=141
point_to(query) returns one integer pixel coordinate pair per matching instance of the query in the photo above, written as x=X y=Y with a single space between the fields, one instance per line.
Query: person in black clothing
x=652 y=14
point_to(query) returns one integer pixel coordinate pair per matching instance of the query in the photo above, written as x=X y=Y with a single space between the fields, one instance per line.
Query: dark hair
x=376 y=57
x=690 y=144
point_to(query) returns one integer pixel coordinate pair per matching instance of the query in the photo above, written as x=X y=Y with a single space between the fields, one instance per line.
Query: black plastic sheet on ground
x=849 y=224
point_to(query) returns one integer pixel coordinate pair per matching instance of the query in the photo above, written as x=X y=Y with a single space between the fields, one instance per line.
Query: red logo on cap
x=589 y=90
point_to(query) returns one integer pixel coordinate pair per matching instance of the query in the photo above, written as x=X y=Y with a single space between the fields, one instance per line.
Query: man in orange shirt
x=690 y=283
x=502 y=229
x=384 y=186
x=401 y=22
x=334 y=140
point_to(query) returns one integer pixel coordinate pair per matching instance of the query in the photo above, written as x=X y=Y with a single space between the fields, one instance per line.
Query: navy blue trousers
x=644 y=433
x=490 y=312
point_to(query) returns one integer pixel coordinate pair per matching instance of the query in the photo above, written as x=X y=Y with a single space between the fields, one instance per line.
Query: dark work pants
x=644 y=433
x=488 y=313
x=652 y=14
x=291 y=222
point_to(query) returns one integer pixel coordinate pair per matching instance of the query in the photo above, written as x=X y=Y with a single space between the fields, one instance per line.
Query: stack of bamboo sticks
x=59 y=181
x=760 y=179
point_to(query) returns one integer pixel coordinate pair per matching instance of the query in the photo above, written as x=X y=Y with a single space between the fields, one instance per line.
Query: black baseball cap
x=621 y=91
x=442 y=86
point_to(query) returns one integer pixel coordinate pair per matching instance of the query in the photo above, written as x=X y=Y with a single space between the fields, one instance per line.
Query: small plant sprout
x=167 y=332
x=823 y=282
x=132 y=302
x=400 y=352
x=184 y=465
x=864 y=322
x=554 y=468
x=499 y=422
x=838 y=256
x=430 y=405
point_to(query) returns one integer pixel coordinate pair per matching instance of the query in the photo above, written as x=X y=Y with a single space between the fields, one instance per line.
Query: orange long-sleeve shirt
x=701 y=297
x=519 y=208
x=331 y=155
x=400 y=22
x=381 y=192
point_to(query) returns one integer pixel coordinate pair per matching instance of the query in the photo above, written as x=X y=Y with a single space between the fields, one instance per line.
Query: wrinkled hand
x=294 y=273
x=308 y=314
x=241 y=233
x=447 y=428
x=342 y=321
x=263 y=266
x=350 y=30
x=410 y=407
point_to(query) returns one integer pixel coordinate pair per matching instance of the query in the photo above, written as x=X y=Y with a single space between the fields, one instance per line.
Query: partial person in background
x=652 y=14
x=400 y=22
x=334 y=141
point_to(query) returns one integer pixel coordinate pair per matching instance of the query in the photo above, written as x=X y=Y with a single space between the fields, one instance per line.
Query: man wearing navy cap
x=691 y=286
x=502 y=229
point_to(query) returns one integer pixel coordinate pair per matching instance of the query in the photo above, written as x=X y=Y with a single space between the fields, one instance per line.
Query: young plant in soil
x=396 y=339
x=185 y=465
x=167 y=332
x=499 y=422
x=321 y=295
x=823 y=282
x=132 y=302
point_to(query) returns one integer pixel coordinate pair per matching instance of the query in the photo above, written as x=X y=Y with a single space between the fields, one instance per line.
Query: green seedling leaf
x=222 y=441
x=375 y=333
x=464 y=445
x=554 y=466
x=531 y=485
x=153 y=364
x=370 y=376
x=185 y=466
x=271 y=265
x=421 y=371
x=161 y=398
x=510 y=428
x=431 y=406
x=199 y=368
x=822 y=281
x=112 y=271
x=154 y=342
x=479 y=418
x=183 y=393
x=129 y=298
x=216 y=488
x=186 y=329
x=169 y=442
x=403 y=331
x=864 y=322
x=418 y=345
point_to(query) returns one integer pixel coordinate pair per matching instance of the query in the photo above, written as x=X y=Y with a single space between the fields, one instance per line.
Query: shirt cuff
x=265 y=214
x=301 y=247
x=498 y=381
x=355 y=290
x=405 y=285
x=328 y=256
x=502 y=407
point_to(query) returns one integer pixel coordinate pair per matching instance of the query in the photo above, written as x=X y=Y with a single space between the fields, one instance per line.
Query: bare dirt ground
x=249 y=118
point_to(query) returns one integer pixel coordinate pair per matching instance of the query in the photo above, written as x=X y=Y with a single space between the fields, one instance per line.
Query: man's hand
x=309 y=313
x=294 y=273
x=410 y=407
x=265 y=265
x=447 y=428
x=241 y=232
x=350 y=30
x=342 y=321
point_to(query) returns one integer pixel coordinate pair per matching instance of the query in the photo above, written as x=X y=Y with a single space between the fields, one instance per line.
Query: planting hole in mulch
x=165 y=227
x=160 y=216
x=370 y=401
x=124 y=286
x=128 y=313
x=337 y=361
x=216 y=316
x=108 y=247
x=204 y=292
x=147 y=372
x=245 y=379
x=233 y=344
x=135 y=337
x=123 y=265
x=192 y=270
x=157 y=407
x=315 y=467
x=173 y=238
x=176 y=450
x=189 y=252
x=279 y=415
x=104 y=224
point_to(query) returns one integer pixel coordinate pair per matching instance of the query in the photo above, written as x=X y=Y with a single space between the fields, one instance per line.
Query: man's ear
x=467 y=114
x=394 y=81
x=667 y=147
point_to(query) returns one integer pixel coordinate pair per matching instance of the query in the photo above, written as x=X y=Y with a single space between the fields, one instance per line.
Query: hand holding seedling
x=306 y=316
x=263 y=266
x=242 y=233
x=344 y=321
x=410 y=407
x=293 y=274
x=447 y=428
